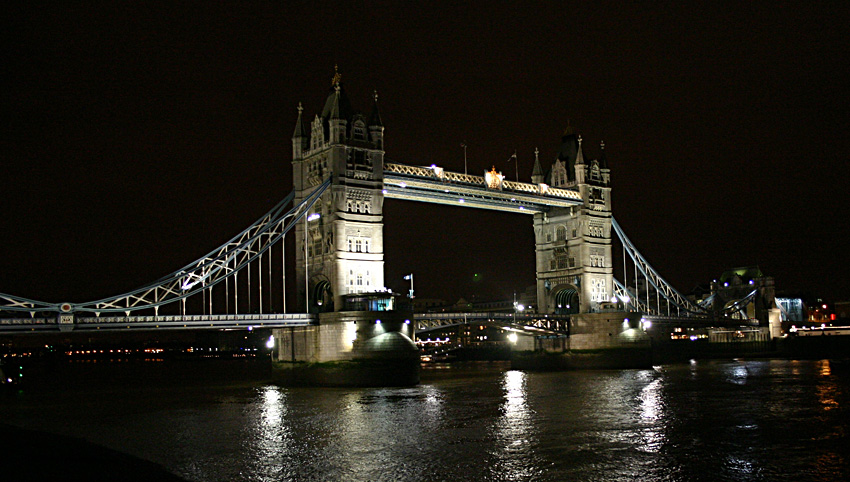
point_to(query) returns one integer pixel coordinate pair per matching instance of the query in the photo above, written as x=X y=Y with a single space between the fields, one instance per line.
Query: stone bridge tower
x=344 y=244
x=573 y=245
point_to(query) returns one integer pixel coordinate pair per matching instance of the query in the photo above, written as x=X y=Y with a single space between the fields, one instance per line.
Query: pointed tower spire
x=300 y=137
x=603 y=165
x=375 y=117
x=299 y=125
x=580 y=166
x=537 y=173
x=376 y=125
x=579 y=155
x=603 y=159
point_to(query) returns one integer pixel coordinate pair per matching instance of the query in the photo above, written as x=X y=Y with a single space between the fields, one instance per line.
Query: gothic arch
x=321 y=296
x=565 y=299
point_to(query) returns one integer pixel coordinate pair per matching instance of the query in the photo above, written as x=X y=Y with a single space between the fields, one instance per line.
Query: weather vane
x=337 y=76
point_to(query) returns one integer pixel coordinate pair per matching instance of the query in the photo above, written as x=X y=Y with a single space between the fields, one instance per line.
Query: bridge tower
x=344 y=236
x=573 y=245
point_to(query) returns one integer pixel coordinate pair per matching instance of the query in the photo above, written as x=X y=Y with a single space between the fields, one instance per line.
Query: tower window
x=561 y=233
x=358 y=244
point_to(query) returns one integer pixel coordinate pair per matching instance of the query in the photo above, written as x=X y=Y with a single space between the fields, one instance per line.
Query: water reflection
x=514 y=450
x=271 y=436
x=651 y=412
x=788 y=422
x=737 y=373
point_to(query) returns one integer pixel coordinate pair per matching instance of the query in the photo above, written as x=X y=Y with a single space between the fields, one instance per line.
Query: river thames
x=736 y=420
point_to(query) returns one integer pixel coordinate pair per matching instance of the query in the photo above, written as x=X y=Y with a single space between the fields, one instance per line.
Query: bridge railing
x=439 y=174
x=550 y=324
x=300 y=317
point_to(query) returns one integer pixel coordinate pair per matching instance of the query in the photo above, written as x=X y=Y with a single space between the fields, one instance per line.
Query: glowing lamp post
x=410 y=278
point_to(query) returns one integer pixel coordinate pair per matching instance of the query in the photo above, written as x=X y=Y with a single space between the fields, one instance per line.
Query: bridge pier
x=596 y=340
x=349 y=348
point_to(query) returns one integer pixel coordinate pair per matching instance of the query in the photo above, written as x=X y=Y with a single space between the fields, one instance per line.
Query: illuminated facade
x=344 y=245
x=574 y=260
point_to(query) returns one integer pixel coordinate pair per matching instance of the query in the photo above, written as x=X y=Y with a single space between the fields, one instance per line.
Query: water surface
x=764 y=420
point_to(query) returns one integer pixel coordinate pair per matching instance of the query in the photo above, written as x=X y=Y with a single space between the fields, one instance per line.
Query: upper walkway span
x=492 y=191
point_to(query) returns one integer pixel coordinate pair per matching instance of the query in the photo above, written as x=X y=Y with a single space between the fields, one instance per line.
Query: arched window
x=359 y=130
x=561 y=233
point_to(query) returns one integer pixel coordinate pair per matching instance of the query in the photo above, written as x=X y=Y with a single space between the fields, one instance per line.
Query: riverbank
x=33 y=455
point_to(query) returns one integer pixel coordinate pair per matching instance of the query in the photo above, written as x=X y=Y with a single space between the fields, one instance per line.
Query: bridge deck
x=176 y=322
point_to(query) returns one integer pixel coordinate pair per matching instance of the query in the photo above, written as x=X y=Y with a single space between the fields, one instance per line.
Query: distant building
x=746 y=291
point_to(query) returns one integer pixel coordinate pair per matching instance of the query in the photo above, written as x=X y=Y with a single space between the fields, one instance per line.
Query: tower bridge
x=335 y=211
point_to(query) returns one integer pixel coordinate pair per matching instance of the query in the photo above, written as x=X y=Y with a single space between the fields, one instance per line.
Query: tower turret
x=580 y=166
x=603 y=164
x=300 y=138
x=376 y=126
x=537 y=173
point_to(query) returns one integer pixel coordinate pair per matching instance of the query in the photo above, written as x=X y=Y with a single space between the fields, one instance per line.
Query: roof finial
x=536 y=152
x=337 y=76
x=579 y=140
x=300 y=108
x=376 y=95
x=602 y=145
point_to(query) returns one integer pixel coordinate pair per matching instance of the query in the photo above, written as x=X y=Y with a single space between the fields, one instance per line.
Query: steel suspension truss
x=197 y=276
x=625 y=295
x=662 y=287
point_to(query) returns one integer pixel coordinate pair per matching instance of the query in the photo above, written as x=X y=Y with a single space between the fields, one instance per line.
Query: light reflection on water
x=732 y=420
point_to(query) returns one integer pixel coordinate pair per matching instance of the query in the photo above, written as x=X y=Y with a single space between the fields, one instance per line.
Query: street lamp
x=410 y=277
x=518 y=307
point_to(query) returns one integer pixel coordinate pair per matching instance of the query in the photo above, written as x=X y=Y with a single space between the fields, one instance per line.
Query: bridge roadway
x=527 y=323
x=530 y=324
x=173 y=322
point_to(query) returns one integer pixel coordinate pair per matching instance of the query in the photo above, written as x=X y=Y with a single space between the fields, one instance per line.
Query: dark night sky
x=138 y=138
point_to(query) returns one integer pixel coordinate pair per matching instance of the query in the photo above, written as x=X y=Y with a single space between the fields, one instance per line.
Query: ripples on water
x=738 y=420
